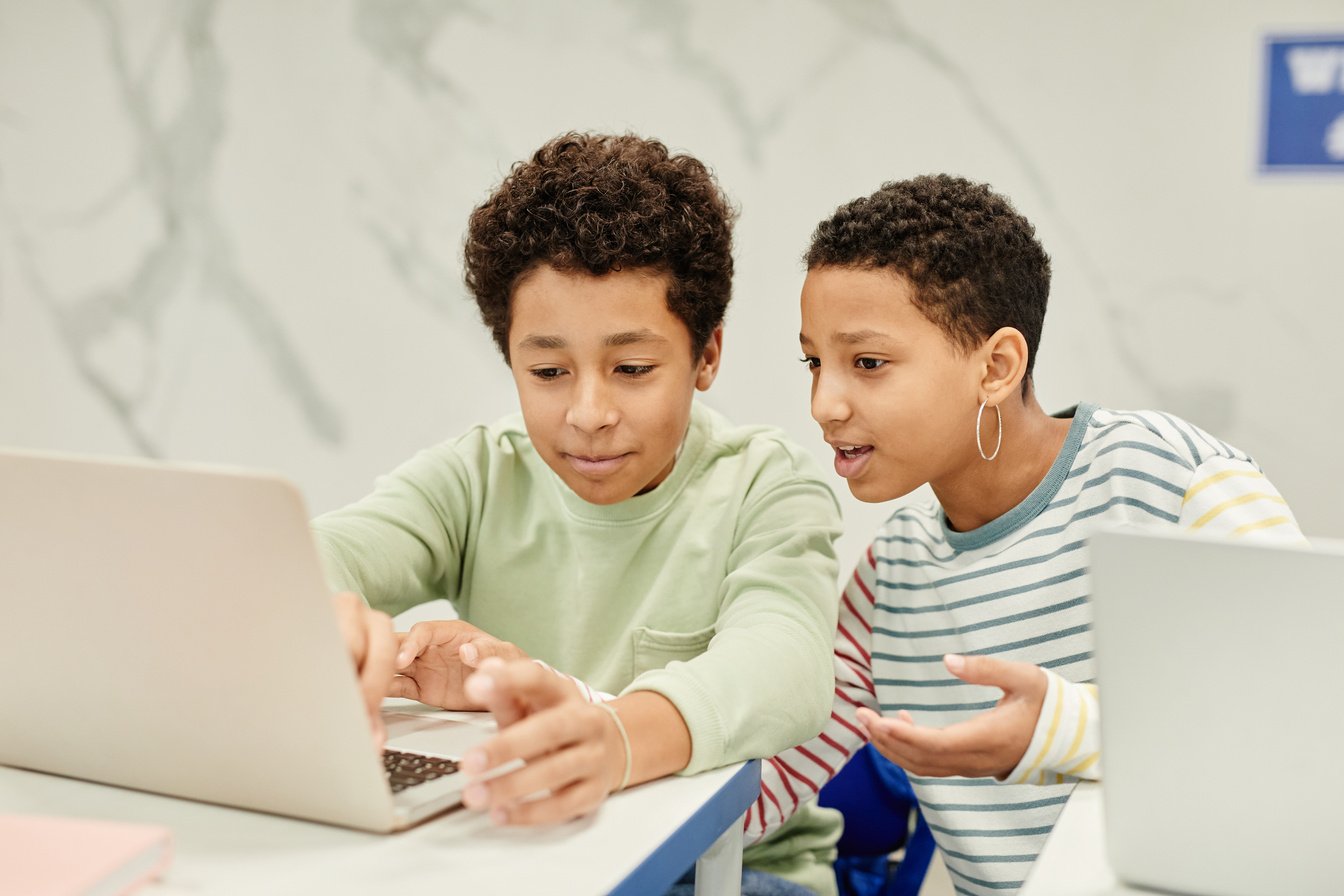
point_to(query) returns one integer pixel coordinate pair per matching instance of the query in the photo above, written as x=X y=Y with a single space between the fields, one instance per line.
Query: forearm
x=384 y=559
x=399 y=546
x=660 y=742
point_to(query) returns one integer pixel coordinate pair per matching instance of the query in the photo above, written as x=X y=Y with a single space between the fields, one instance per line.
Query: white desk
x=639 y=842
x=1074 y=862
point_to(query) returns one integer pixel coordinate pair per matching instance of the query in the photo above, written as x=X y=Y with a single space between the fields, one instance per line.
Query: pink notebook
x=46 y=856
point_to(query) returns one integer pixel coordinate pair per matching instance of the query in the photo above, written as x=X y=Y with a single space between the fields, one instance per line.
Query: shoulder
x=480 y=451
x=765 y=450
x=504 y=438
x=761 y=464
x=1156 y=437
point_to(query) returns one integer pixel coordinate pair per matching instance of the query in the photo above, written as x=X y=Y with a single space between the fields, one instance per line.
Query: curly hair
x=974 y=261
x=601 y=203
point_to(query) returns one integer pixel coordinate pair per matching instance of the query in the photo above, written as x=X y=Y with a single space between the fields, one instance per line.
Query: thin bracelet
x=625 y=742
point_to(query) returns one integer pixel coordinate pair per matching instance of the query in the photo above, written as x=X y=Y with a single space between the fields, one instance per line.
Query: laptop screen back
x=168 y=628
x=1221 y=666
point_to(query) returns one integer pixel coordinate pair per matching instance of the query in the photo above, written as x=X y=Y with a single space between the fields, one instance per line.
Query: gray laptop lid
x=169 y=629
x=1220 y=670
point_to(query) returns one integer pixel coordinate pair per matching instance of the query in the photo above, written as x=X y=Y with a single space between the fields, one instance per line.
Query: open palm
x=434 y=660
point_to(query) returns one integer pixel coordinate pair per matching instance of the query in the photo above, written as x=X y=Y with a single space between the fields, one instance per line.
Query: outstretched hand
x=990 y=744
x=434 y=660
x=572 y=750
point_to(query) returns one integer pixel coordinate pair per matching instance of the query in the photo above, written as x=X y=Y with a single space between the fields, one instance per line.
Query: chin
x=599 y=494
x=877 y=493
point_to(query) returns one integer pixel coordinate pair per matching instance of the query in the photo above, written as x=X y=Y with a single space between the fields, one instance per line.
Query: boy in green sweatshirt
x=616 y=530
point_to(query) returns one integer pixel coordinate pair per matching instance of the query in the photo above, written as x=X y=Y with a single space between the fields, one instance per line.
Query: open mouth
x=851 y=459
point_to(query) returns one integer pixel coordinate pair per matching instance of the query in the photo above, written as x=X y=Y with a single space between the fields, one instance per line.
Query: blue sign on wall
x=1304 y=103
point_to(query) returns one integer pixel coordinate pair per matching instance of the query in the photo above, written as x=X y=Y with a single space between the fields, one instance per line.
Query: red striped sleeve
x=784 y=780
x=864 y=588
x=818 y=760
x=800 y=776
x=846 y=723
x=830 y=771
x=857 y=668
x=867 y=657
x=834 y=744
x=855 y=613
x=840 y=692
x=770 y=795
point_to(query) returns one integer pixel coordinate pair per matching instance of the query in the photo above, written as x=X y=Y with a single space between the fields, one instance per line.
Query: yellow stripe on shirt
x=1054 y=726
x=1218 y=477
x=1261 y=524
x=1233 y=502
x=1078 y=738
x=1083 y=766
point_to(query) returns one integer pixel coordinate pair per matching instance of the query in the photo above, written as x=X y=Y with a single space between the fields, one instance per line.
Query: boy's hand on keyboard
x=435 y=658
x=573 y=751
x=373 y=646
x=990 y=744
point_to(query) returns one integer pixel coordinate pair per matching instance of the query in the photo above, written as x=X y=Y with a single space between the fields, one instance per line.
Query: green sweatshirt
x=716 y=589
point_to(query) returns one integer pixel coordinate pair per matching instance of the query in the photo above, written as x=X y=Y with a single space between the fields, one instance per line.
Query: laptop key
x=409 y=769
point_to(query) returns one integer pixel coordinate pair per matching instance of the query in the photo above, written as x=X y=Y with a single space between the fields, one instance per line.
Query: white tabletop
x=638 y=842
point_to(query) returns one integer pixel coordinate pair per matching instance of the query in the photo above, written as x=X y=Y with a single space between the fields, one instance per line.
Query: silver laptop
x=168 y=628
x=1221 y=670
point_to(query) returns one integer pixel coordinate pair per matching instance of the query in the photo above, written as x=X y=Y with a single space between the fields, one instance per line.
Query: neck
x=980 y=491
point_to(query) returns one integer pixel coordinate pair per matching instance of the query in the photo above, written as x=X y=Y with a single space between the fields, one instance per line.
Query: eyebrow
x=858 y=336
x=628 y=337
x=631 y=337
x=854 y=338
x=542 y=342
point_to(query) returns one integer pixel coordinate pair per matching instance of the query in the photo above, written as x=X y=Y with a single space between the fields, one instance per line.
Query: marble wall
x=230 y=229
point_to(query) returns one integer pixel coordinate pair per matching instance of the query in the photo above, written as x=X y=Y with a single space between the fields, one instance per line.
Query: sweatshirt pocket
x=654 y=649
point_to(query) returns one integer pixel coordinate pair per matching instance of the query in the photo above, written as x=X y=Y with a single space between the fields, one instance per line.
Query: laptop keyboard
x=409 y=769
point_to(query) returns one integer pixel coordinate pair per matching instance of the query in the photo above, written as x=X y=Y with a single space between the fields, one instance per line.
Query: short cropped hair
x=973 y=260
x=597 y=203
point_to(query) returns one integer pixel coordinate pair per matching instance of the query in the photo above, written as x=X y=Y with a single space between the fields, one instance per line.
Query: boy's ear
x=1005 y=356
x=709 y=360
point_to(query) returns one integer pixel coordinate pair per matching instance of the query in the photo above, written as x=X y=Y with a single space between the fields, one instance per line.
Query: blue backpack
x=878 y=803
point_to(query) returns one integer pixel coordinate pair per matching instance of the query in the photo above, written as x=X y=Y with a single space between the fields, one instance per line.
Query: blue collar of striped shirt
x=1040 y=496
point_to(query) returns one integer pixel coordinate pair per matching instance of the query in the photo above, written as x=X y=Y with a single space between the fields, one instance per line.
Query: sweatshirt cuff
x=698 y=711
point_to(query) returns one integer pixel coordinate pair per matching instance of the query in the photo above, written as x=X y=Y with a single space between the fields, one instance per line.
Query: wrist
x=618 y=742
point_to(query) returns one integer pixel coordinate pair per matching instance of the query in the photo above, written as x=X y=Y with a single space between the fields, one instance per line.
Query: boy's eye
x=812 y=362
x=634 y=369
x=869 y=363
x=548 y=373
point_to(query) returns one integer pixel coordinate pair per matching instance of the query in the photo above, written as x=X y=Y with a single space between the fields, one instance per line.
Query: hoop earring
x=999 y=443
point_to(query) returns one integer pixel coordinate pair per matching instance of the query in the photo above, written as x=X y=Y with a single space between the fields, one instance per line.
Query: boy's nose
x=829 y=404
x=592 y=409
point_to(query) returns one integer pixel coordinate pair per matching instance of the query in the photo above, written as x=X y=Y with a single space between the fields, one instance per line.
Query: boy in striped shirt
x=964 y=646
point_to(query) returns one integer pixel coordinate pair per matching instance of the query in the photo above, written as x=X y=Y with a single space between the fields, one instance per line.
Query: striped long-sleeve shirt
x=1016 y=588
